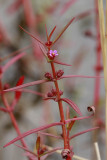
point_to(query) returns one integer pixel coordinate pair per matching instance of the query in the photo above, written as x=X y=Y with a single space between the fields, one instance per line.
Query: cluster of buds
x=59 y=73
x=52 y=54
x=54 y=93
x=48 y=76
x=48 y=44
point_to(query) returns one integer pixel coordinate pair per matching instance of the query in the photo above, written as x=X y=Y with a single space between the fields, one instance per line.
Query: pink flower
x=52 y=53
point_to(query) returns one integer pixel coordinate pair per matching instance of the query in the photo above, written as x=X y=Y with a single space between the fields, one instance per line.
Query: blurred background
x=78 y=46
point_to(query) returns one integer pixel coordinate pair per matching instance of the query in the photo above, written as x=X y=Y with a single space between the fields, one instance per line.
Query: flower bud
x=54 y=92
x=59 y=73
x=61 y=93
x=50 y=94
x=48 y=76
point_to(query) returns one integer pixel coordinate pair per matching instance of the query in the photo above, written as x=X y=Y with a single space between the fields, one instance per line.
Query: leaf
x=72 y=104
x=70 y=125
x=58 y=62
x=82 y=132
x=46 y=32
x=25 y=85
x=51 y=135
x=63 y=30
x=79 y=76
x=43 y=50
x=18 y=93
x=32 y=131
x=31 y=35
x=80 y=118
x=33 y=92
x=51 y=33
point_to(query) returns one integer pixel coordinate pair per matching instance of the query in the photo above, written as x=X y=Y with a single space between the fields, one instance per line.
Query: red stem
x=66 y=139
x=12 y=118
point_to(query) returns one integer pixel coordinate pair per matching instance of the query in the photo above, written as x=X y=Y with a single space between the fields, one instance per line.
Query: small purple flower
x=53 y=53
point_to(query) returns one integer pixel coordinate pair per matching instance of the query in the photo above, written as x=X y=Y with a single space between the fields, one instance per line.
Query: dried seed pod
x=65 y=153
x=91 y=109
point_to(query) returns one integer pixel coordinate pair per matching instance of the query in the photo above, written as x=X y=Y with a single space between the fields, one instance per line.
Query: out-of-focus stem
x=104 y=53
x=12 y=117
x=98 y=59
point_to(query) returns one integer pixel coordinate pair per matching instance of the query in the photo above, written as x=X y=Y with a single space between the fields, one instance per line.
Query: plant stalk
x=66 y=141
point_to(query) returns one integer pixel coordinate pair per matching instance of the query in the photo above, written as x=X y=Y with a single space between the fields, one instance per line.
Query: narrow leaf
x=80 y=118
x=46 y=32
x=18 y=93
x=72 y=104
x=33 y=131
x=31 y=35
x=51 y=33
x=33 y=92
x=79 y=76
x=64 y=30
x=82 y=132
x=38 y=143
x=25 y=85
x=71 y=124
x=43 y=50
x=51 y=135
x=26 y=149
x=58 y=62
